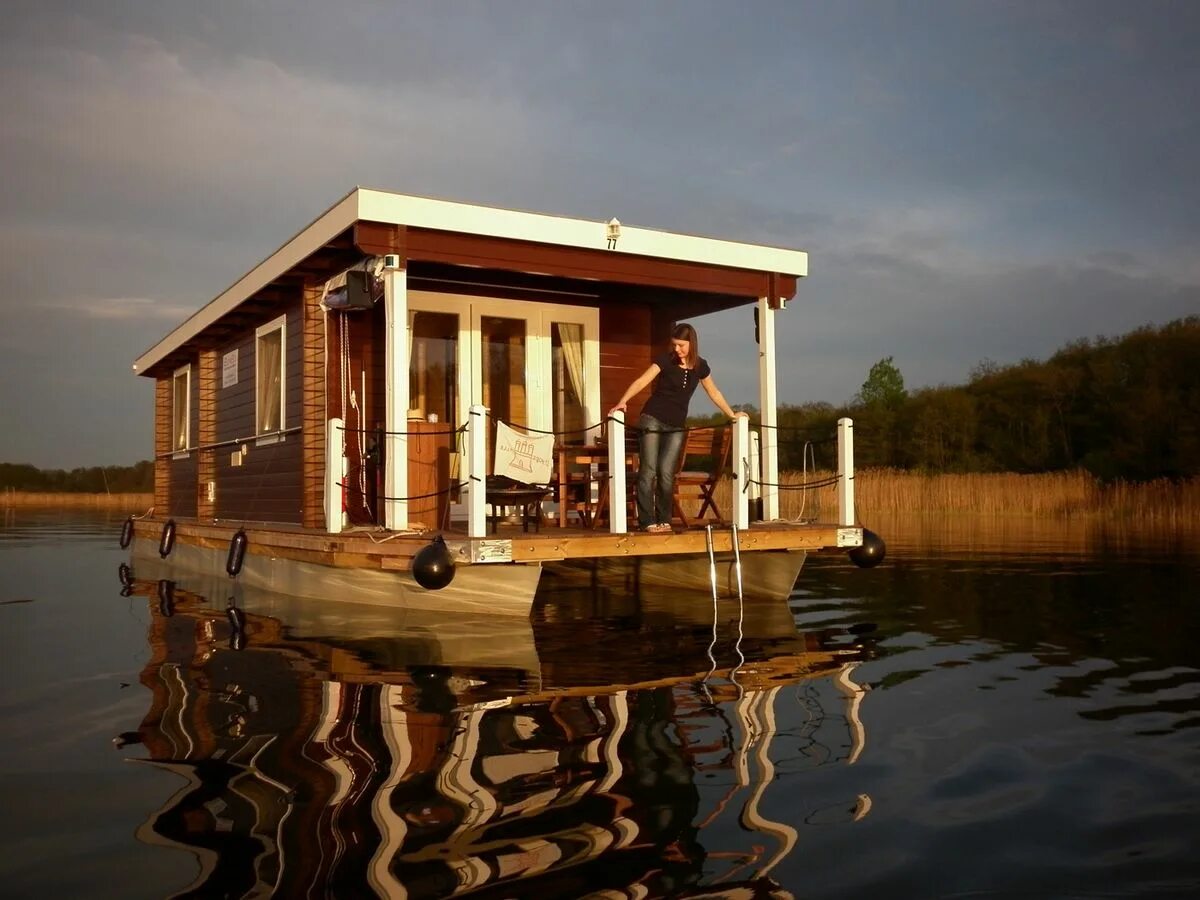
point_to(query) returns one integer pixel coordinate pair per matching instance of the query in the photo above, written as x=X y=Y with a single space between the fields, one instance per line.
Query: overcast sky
x=972 y=180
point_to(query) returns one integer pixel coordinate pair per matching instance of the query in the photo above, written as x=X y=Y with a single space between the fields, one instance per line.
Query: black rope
x=812 y=485
x=447 y=490
x=581 y=431
x=831 y=439
x=686 y=429
x=459 y=430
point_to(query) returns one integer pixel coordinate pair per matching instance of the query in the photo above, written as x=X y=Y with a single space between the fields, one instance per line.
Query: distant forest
x=135 y=479
x=1125 y=407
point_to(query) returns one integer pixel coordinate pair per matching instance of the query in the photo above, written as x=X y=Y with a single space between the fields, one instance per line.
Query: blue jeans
x=658 y=454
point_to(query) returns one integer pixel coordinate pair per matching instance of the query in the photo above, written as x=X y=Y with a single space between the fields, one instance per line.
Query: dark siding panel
x=267 y=486
x=182 y=500
x=293 y=391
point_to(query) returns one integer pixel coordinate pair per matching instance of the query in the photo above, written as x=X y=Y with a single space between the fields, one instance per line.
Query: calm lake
x=1003 y=711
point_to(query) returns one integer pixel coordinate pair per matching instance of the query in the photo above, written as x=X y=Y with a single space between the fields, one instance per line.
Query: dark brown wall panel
x=267 y=486
x=182 y=499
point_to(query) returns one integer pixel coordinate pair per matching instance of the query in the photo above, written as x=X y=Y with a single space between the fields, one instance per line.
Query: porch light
x=613 y=230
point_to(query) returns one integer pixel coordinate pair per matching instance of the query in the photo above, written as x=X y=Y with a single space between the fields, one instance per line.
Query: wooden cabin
x=341 y=401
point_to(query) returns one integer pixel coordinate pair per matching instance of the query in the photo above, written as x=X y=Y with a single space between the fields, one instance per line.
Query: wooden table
x=579 y=468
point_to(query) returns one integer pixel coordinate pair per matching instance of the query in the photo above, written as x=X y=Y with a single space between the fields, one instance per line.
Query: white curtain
x=571 y=335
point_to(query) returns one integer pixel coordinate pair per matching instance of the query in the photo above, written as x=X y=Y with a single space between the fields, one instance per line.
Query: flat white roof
x=363 y=204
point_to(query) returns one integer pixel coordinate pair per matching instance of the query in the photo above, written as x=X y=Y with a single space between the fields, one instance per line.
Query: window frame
x=182 y=452
x=277 y=324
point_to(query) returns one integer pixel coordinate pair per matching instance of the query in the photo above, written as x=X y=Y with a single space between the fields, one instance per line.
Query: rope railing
x=446 y=490
x=379 y=431
x=808 y=486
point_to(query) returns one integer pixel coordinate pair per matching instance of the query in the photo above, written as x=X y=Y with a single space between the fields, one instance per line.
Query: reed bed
x=1051 y=495
x=132 y=502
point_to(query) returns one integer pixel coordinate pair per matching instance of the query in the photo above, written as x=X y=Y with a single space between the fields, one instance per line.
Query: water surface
x=1002 y=711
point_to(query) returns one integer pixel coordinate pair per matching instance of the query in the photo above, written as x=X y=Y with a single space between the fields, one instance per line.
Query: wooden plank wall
x=314 y=410
x=206 y=467
x=162 y=443
x=268 y=485
x=625 y=352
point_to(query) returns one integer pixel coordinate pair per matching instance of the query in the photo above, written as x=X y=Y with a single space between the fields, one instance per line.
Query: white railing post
x=617 y=523
x=767 y=403
x=755 y=492
x=845 y=463
x=741 y=469
x=477 y=472
x=395 y=346
x=335 y=475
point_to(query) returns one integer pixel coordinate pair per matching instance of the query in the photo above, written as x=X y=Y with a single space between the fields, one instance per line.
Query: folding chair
x=702 y=445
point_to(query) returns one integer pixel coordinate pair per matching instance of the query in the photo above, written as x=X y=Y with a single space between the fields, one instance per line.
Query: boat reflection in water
x=616 y=752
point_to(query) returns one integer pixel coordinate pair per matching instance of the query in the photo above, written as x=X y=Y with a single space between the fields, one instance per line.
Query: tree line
x=135 y=479
x=1126 y=407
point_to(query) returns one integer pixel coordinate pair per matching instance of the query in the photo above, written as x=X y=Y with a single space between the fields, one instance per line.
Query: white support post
x=477 y=472
x=755 y=492
x=845 y=462
x=741 y=469
x=617 y=523
x=396 y=344
x=767 y=403
x=335 y=474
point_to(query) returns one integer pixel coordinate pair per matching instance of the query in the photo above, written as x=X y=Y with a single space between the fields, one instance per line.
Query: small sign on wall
x=229 y=368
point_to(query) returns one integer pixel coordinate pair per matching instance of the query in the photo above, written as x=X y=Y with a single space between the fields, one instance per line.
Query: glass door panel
x=503 y=352
x=433 y=366
x=567 y=382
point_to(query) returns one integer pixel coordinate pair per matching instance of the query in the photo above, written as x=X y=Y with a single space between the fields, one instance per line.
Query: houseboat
x=407 y=403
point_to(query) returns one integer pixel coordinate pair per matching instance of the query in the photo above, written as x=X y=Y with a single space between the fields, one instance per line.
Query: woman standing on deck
x=661 y=427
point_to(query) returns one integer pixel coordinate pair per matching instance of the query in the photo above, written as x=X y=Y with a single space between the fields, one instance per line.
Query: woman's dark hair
x=685 y=332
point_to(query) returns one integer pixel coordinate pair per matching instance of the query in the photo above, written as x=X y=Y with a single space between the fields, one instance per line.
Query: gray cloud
x=972 y=180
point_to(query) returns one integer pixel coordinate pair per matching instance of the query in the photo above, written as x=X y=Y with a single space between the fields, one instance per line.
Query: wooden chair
x=708 y=446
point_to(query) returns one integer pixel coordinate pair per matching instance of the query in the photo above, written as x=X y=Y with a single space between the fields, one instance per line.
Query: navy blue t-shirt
x=673 y=389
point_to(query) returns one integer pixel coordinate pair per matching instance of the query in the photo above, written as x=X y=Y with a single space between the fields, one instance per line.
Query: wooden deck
x=391 y=551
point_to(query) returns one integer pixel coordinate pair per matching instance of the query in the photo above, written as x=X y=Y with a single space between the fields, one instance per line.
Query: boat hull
x=505 y=590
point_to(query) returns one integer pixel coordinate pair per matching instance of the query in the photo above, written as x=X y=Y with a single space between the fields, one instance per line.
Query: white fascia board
x=314 y=236
x=444 y=215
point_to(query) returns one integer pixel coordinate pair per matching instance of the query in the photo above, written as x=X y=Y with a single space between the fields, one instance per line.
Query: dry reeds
x=1051 y=494
x=30 y=499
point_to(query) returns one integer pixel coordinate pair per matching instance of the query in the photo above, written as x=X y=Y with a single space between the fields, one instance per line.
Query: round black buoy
x=871 y=553
x=127 y=533
x=166 y=597
x=125 y=574
x=433 y=566
x=237 y=553
x=166 y=543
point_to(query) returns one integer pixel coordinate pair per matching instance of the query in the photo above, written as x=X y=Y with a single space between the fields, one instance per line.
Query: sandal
x=660 y=528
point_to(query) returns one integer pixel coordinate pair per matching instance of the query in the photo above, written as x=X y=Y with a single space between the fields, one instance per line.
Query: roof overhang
x=363 y=205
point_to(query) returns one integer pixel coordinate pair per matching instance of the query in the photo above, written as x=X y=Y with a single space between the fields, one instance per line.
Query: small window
x=269 y=374
x=181 y=395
